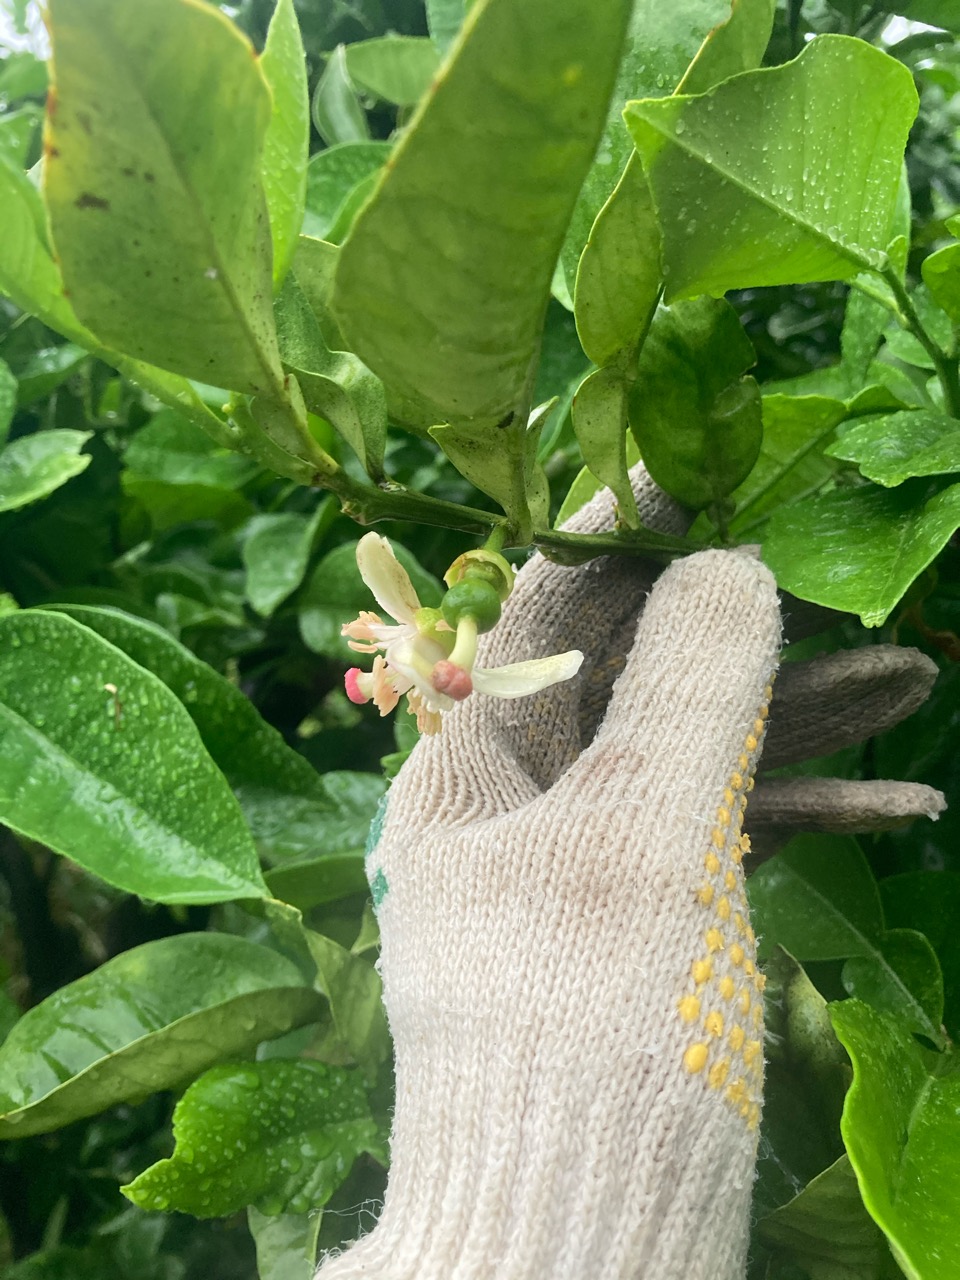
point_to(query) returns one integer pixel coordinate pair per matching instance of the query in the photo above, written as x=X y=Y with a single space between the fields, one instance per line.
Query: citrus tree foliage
x=270 y=270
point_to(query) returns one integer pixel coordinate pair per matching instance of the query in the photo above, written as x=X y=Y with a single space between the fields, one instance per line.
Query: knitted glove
x=569 y=970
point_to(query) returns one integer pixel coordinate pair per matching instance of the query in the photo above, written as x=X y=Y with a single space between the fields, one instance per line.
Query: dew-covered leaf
x=154 y=194
x=147 y=1020
x=894 y=447
x=781 y=175
x=99 y=761
x=281 y=1135
x=901 y=1128
x=32 y=467
x=903 y=978
x=172 y=449
x=286 y=142
x=293 y=813
x=443 y=281
x=657 y=50
x=860 y=549
x=941 y=275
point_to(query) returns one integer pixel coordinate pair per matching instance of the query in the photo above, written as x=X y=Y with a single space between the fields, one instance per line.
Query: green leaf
x=443 y=281
x=336 y=593
x=930 y=901
x=336 y=112
x=941 y=275
x=172 y=449
x=335 y=384
x=826 y=1231
x=34 y=466
x=901 y=1128
x=618 y=279
x=791 y=463
x=168 y=505
x=8 y=399
x=444 y=20
x=46 y=370
x=731 y=47
x=154 y=194
x=313 y=266
x=147 y=1020
x=18 y=129
x=860 y=549
x=658 y=47
x=778 y=176
x=316 y=881
x=286 y=1244
x=117 y=781
x=332 y=176
x=600 y=424
x=396 y=68
x=818 y=899
x=501 y=460
x=292 y=812
x=696 y=420
x=892 y=448
x=903 y=978
x=276 y=553
x=806 y=1077
x=280 y=1135
x=286 y=143
x=353 y=988
x=586 y=484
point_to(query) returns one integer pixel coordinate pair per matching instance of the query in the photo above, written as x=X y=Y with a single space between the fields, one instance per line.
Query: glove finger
x=791 y=805
x=846 y=697
x=683 y=729
x=552 y=609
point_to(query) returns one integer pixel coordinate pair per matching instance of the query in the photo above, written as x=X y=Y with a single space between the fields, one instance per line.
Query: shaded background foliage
x=253 y=574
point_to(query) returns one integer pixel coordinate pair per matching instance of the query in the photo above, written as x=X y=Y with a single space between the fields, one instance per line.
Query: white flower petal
x=386 y=577
x=522 y=678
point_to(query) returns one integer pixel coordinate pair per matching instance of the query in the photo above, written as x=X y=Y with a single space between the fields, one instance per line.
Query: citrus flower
x=422 y=656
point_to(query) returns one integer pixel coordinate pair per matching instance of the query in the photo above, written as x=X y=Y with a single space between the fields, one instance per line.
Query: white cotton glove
x=569 y=971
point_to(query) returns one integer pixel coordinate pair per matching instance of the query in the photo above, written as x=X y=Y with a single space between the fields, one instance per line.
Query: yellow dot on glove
x=723 y=908
x=743 y=762
x=712 y=863
x=736 y=1038
x=695 y=1058
x=751 y=1050
x=750 y=742
x=736 y=954
x=689 y=1008
x=758 y=727
x=727 y=987
x=737 y=1091
x=760 y=982
x=736 y=781
x=702 y=970
x=743 y=1002
x=714 y=1023
x=753 y=1115
x=718 y=1073
x=730 y=880
x=748 y=967
x=705 y=894
x=723 y=816
x=757 y=1015
x=728 y=798
x=714 y=940
x=717 y=838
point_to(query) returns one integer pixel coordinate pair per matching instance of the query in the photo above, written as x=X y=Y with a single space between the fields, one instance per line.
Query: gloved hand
x=569 y=970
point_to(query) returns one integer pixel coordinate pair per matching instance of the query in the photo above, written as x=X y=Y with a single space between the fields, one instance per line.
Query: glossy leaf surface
x=894 y=447
x=118 y=781
x=34 y=466
x=281 y=1135
x=781 y=175
x=286 y=142
x=147 y=1020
